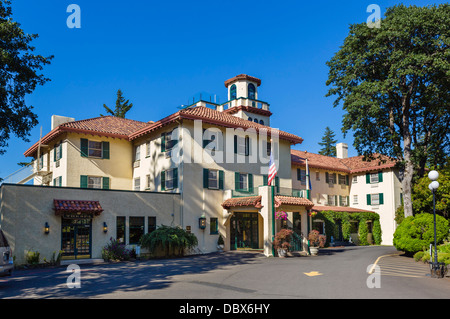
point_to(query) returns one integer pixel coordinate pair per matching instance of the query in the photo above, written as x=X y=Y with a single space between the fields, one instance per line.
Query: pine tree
x=328 y=143
x=122 y=106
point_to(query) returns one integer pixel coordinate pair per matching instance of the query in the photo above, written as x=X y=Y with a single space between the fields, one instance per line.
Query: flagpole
x=273 y=215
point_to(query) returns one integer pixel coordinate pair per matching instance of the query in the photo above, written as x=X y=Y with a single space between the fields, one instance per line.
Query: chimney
x=57 y=120
x=341 y=150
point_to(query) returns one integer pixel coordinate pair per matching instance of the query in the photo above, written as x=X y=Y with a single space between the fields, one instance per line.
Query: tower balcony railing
x=241 y=101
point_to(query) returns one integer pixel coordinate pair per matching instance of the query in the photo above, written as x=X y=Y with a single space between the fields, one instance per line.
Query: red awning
x=62 y=206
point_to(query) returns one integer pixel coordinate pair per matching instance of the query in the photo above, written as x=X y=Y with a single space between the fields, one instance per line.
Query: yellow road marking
x=376 y=261
x=313 y=273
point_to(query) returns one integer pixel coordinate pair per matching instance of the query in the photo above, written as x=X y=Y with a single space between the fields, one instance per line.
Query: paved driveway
x=335 y=273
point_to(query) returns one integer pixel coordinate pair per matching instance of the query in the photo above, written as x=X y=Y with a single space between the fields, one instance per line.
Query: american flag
x=272 y=169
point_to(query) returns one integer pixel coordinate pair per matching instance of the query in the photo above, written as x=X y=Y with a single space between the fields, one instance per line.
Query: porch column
x=266 y=213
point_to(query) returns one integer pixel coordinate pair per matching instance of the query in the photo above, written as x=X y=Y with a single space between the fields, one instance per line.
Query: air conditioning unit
x=57 y=163
x=136 y=164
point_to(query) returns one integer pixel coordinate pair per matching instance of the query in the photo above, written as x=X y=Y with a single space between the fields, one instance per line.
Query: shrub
x=416 y=233
x=283 y=239
x=32 y=257
x=419 y=255
x=316 y=240
x=173 y=241
x=115 y=251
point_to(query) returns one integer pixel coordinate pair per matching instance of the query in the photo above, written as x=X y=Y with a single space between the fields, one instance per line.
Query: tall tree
x=394 y=84
x=122 y=106
x=19 y=75
x=328 y=143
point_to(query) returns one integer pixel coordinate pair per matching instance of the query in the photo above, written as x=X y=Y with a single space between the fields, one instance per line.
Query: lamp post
x=433 y=186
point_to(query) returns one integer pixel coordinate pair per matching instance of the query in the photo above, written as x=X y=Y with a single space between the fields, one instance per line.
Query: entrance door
x=76 y=238
x=244 y=231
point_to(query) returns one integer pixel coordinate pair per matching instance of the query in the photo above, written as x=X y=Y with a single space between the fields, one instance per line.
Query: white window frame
x=331 y=202
x=94 y=182
x=137 y=184
x=374 y=178
x=355 y=179
x=169 y=179
x=148 y=181
x=374 y=199
x=355 y=199
x=147 y=149
x=213 y=178
x=91 y=148
x=137 y=153
x=243 y=181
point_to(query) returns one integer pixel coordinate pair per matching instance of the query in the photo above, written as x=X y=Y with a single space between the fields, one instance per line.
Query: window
x=343 y=200
x=211 y=140
x=375 y=199
x=137 y=153
x=301 y=176
x=94 y=149
x=149 y=180
x=261 y=122
x=251 y=91
x=372 y=178
x=94 y=182
x=342 y=179
x=169 y=179
x=120 y=229
x=250 y=119
x=147 y=149
x=41 y=162
x=318 y=225
x=255 y=120
x=331 y=200
x=355 y=179
x=151 y=224
x=167 y=143
x=242 y=145
x=57 y=181
x=213 y=226
x=136 y=229
x=243 y=182
x=233 y=92
x=57 y=155
x=355 y=199
x=137 y=184
x=213 y=179
x=317 y=176
x=330 y=178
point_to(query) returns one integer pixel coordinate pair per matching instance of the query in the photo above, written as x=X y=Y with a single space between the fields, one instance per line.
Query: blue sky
x=162 y=53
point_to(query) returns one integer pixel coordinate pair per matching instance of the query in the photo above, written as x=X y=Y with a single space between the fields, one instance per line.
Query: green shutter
x=250 y=183
x=327 y=177
x=247 y=146
x=175 y=178
x=84 y=147
x=60 y=150
x=236 y=181
x=60 y=181
x=54 y=153
x=348 y=200
x=83 y=181
x=221 y=180
x=235 y=144
x=340 y=200
x=367 y=178
x=336 y=200
x=369 y=200
x=381 y=196
x=105 y=183
x=163 y=180
x=205 y=178
x=163 y=142
x=265 y=180
x=105 y=150
x=380 y=177
x=347 y=180
x=299 y=174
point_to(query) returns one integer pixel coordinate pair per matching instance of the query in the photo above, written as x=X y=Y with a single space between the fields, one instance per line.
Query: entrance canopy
x=255 y=201
x=63 y=207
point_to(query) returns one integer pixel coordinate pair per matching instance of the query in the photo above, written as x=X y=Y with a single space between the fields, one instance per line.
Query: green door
x=244 y=231
x=76 y=237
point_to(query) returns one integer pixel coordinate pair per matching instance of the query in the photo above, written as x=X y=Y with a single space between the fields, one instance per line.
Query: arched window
x=261 y=122
x=255 y=120
x=251 y=91
x=233 y=92
x=250 y=119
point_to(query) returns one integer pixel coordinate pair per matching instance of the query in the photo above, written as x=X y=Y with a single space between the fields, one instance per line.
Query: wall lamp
x=46 y=228
x=202 y=222
x=105 y=227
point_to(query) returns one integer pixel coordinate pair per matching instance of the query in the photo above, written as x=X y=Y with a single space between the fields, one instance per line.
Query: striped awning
x=69 y=206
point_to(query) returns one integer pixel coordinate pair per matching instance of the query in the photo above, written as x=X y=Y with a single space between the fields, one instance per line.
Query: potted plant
x=316 y=241
x=220 y=243
x=282 y=242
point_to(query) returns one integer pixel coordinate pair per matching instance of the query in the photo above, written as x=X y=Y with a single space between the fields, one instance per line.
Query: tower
x=243 y=99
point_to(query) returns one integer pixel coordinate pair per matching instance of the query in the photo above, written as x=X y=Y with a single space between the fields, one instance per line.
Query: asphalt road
x=337 y=273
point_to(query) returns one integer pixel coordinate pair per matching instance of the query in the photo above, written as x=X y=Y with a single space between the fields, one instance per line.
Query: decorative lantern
x=202 y=222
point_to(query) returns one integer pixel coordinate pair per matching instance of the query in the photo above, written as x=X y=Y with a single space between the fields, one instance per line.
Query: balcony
x=281 y=191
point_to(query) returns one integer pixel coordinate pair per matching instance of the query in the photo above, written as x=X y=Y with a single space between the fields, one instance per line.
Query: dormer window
x=251 y=91
x=233 y=92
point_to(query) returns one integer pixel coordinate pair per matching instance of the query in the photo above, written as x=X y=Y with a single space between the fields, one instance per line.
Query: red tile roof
x=75 y=206
x=339 y=209
x=110 y=126
x=251 y=201
x=242 y=77
x=214 y=117
x=349 y=165
x=291 y=200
